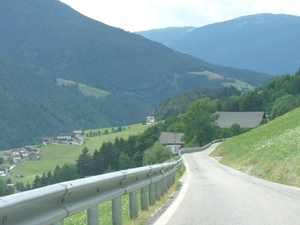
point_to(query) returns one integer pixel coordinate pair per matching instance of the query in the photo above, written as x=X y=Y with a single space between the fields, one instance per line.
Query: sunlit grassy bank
x=271 y=151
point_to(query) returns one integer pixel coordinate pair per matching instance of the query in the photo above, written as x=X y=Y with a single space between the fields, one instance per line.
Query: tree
x=20 y=186
x=4 y=189
x=198 y=122
x=69 y=172
x=84 y=163
x=283 y=105
x=124 y=161
x=158 y=153
x=235 y=129
x=37 y=183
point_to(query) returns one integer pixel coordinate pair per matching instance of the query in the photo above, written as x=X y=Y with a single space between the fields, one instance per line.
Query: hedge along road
x=213 y=194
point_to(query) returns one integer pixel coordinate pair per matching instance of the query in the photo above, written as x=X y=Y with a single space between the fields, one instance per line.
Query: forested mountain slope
x=33 y=106
x=268 y=43
x=50 y=35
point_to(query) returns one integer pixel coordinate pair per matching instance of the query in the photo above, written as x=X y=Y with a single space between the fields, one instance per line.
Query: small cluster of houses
x=76 y=139
x=19 y=154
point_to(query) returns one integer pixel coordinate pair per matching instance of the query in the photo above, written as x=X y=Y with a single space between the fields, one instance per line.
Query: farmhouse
x=77 y=133
x=172 y=140
x=244 y=119
x=150 y=119
x=48 y=140
x=64 y=139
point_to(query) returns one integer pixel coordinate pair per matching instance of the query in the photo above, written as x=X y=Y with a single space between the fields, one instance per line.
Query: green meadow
x=271 y=151
x=85 y=89
x=53 y=155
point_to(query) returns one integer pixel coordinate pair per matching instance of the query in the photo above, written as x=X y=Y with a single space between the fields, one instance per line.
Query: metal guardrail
x=53 y=203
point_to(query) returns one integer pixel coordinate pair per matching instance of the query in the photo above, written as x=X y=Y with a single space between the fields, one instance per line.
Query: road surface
x=213 y=194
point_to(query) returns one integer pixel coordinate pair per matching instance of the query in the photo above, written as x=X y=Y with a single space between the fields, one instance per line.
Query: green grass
x=271 y=151
x=60 y=154
x=86 y=90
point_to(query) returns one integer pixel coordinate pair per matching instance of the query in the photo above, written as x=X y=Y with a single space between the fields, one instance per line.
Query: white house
x=150 y=119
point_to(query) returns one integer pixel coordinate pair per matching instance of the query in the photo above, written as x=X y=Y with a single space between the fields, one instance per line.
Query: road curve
x=213 y=194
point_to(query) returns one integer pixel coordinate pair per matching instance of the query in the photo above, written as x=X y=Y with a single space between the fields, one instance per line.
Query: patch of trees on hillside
x=276 y=96
x=179 y=104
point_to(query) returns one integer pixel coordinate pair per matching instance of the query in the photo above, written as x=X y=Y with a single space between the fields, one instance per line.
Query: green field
x=60 y=154
x=86 y=90
x=271 y=151
x=215 y=76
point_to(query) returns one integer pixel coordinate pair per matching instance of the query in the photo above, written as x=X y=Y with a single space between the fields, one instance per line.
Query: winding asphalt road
x=213 y=194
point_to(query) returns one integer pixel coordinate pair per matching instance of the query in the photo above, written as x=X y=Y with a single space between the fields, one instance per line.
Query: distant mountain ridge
x=268 y=43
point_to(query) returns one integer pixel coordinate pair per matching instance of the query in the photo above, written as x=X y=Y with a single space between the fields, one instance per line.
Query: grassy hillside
x=225 y=81
x=60 y=154
x=270 y=152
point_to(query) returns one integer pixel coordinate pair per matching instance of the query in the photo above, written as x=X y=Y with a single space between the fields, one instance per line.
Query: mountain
x=45 y=40
x=268 y=43
x=51 y=35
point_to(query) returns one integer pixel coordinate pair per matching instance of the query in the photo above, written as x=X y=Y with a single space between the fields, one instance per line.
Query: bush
x=158 y=153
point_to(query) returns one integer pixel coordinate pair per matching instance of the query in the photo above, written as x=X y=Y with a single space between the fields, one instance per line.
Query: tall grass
x=271 y=151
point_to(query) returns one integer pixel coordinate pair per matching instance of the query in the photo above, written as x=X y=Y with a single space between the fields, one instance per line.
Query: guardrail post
x=166 y=187
x=169 y=180
x=145 y=198
x=157 y=190
x=152 y=194
x=117 y=211
x=93 y=216
x=133 y=205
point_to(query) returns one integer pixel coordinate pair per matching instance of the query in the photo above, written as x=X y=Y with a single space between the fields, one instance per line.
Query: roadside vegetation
x=271 y=151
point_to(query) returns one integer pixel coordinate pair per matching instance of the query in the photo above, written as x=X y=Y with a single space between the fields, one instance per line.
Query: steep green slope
x=50 y=35
x=271 y=151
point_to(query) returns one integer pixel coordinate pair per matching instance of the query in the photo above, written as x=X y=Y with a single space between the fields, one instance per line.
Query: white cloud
x=138 y=15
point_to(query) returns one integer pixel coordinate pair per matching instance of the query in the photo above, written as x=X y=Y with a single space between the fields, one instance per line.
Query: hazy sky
x=140 y=15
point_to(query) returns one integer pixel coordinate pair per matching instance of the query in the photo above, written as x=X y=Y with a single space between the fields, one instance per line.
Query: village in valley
x=33 y=152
